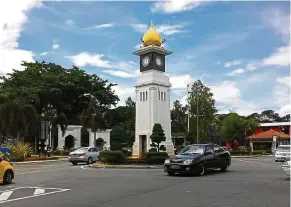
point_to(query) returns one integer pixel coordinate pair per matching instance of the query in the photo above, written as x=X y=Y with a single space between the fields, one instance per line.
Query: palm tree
x=93 y=118
x=19 y=118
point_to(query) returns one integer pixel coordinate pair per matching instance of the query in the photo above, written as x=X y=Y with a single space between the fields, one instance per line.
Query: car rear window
x=83 y=149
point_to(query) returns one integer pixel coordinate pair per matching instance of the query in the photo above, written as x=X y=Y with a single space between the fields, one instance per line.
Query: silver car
x=84 y=154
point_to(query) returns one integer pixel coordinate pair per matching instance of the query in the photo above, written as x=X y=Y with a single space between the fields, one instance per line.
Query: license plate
x=175 y=166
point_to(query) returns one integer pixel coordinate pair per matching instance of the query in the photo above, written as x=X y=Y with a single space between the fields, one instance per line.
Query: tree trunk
x=158 y=147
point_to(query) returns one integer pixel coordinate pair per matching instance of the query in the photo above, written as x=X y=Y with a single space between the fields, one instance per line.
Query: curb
x=37 y=161
x=128 y=167
x=251 y=156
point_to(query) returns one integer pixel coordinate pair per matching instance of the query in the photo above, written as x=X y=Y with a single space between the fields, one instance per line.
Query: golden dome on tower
x=152 y=37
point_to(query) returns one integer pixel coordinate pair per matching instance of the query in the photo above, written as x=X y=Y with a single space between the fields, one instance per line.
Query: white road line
x=60 y=191
x=38 y=191
x=5 y=195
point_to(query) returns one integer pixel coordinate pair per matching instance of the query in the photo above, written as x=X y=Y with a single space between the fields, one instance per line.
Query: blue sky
x=239 y=49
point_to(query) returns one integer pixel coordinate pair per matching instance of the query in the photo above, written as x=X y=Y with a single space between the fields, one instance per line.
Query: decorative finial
x=152 y=23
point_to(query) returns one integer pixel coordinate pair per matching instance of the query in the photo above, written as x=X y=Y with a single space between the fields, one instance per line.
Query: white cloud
x=121 y=74
x=278 y=20
x=170 y=29
x=123 y=93
x=12 y=19
x=70 y=22
x=227 y=92
x=43 y=53
x=124 y=69
x=181 y=81
x=175 y=6
x=279 y=58
x=281 y=94
x=56 y=46
x=142 y=28
x=84 y=58
x=232 y=63
x=165 y=29
x=236 y=72
x=102 y=26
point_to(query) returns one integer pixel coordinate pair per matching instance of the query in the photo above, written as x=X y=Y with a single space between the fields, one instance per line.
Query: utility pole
x=197 y=131
x=188 y=109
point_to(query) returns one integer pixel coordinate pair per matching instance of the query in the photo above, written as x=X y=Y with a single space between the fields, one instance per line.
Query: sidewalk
x=127 y=166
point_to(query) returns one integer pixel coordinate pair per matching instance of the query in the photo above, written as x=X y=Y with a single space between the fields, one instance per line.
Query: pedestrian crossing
x=27 y=192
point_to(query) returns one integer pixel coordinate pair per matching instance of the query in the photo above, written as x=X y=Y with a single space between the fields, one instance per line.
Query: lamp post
x=49 y=116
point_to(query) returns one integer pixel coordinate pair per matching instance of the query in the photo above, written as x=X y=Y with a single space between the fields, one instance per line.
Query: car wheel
x=201 y=169
x=7 y=179
x=224 y=167
x=75 y=163
x=171 y=173
x=90 y=160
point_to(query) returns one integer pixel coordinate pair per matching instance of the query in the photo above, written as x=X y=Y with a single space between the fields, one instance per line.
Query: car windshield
x=83 y=149
x=193 y=149
x=283 y=148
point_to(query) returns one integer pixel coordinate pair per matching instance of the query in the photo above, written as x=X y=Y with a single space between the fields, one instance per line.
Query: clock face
x=159 y=61
x=146 y=61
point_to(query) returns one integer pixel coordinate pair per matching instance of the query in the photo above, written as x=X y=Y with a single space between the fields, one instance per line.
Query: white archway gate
x=75 y=131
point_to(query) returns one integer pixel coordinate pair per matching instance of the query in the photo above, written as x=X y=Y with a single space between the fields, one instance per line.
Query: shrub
x=153 y=149
x=257 y=152
x=22 y=149
x=112 y=156
x=61 y=152
x=136 y=161
x=156 y=157
x=16 y=158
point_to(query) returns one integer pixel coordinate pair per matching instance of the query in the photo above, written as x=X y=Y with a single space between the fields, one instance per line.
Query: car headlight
x=187 y=162
x=167 y=161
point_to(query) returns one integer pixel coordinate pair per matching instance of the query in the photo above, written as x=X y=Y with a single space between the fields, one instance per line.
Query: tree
x=93 y=118
x=117 y=136
x=201 y=98
x=267 y=116
x=157 y=136
x=235 y=127
x=286 y=118
x=213 y=134
x=19 y=118
x=69 y=90
x=179 y=118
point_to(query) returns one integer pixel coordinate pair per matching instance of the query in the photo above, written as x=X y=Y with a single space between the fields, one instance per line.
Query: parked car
x=282 y=153
x=7 y=172
x=84 y=154
x=286 y=168
x=197 y=159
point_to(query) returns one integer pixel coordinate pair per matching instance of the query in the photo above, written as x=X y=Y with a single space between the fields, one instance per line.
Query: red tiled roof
x=269 y=135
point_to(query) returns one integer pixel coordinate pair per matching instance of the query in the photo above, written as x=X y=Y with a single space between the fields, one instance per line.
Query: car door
x=90 y=153
x=95 y=153
x=210 y=157
x=220 y=155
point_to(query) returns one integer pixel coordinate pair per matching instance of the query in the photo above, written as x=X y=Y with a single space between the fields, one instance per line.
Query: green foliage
x=201 y=96
x=21 y=149
x=235 y=127
x=157 y=136
x=16 y=158
x=117 y=137
x=179 y=118
x=156 y=157
x=112 y=156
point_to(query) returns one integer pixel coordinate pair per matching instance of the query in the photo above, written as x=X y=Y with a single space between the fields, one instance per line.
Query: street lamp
x=49 y=116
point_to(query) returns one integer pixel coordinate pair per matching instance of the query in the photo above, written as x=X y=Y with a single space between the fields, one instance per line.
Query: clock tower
x=152 y=94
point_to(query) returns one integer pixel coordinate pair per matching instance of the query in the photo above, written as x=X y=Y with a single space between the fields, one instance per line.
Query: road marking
x=38 y=191
x=5 y=195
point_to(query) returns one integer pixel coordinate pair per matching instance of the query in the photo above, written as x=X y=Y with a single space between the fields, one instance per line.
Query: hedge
x=16 y=158
x=112 y=156
x=156 y=157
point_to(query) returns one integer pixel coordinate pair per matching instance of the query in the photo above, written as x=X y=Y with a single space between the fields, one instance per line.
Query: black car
x=197 y=158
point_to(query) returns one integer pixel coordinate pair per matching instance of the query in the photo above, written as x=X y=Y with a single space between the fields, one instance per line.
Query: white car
x=286 y=168
x=84 y=154
x=282 y=153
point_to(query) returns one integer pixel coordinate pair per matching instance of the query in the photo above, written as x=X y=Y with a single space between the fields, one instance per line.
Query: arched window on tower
x=140 y=96
x=146 y=95
x=159 y=95
x=164 y=96
x=143 y=96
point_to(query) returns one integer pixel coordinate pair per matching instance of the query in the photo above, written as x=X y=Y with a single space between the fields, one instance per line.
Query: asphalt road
x=250 y=182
